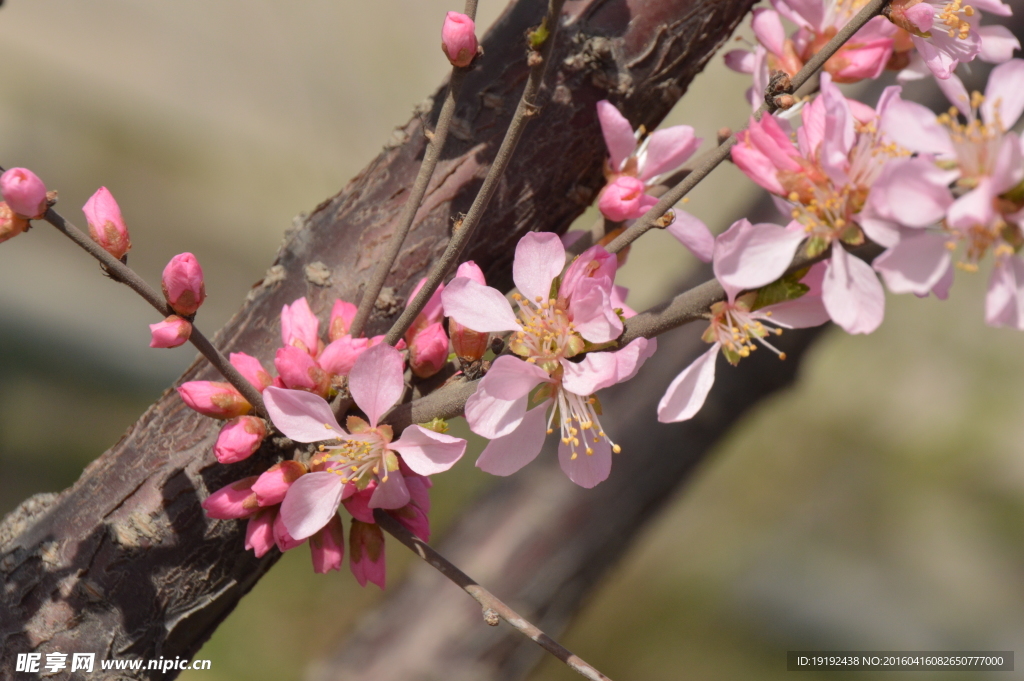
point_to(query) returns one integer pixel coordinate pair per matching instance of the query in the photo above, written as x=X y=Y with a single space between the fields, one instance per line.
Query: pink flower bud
x=272 y=485
x=170 y=333
x=237 y=500
x=106 y=224
x=10 y=224
x=259 y=533
x=470 y=270
x=183 y=284
x=284 y=540
x=340 y=356
x=299 y=371
x=342 y=315
x=432 y=312
x=366 y=553
x=414 y=519
x=252 y=369
x=358 y=505
x=300 y=327
x=24 y=192
x=418 y=486
x=428 y=351
x=327 y=547
x=240 y=438
x=210 y=398
x=469 y=345
x=624 y=199
x=458 y=39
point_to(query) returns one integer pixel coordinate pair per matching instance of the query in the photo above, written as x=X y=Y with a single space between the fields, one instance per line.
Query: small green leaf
x=537 y=36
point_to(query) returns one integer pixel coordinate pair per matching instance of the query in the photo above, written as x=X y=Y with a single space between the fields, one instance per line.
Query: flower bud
x=358 y=504
x=340 y=356
x=237 y=500
x=366 y=553
x=342 y=315
x=210 y=398
x=259 y=533
x=432 y=312
x=414 y=519
x=458 y=39
x=106 y=226
x=428 y=351
x=10 y=224
x=251 y=369
x=24 y=192
x=170 y=333
x=469 y=345
x=239 y=439
x=595 y=262
x=624 y=199
x=470 y=270
x=183 y=284
x=284 y=540
x=299 y=371
x=327 y=547
x=271 y=486
x=300 y=327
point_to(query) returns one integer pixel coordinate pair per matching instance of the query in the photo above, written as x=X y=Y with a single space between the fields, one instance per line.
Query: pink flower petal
x=300 y=327
x=376 y=381
x=618 y=133
x=1008 y=169
x=507 y=454
x=592 y=313
x=480 y=308
x=852 y=294
x=1004 y=302
x=499 y=403
x=540 y=258
x=809 y=14
x=666 y=150
x=510 y=378
x=310 y=503
x=687 y=393
x=599 y=370
x=301 y=416
x=259 y=532
x=956 y=93
x=587 y=470
x=915 y=127
x=391 y=492
x=741 y=61
x=1004 y=96
x=914 y=265
x=427 y=452
x=973 y=208
x=693 y=234
x=749 y=256
x=768 y=30
x=997 y=44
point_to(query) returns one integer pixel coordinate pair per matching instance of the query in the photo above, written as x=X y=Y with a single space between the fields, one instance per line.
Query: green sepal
x=816 y=245
x=438 y=425
x=787 y=288
x=852 y=235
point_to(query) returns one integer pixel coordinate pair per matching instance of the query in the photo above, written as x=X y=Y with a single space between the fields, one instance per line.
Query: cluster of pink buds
x=24 y=199
x=185 y=290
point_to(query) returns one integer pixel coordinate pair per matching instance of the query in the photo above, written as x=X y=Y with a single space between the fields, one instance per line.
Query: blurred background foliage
x=878 y=504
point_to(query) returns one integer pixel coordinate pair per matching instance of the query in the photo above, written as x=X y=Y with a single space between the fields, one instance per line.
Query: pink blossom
x=259 y=532
x=458 y=39
x=183 y=284
x=240 y=438
x=252 y=369
x=211 y=398
x=24 y=193
x=428 y=351
x=271 y=486
x=284 y=539
x=170 y=333
x=624 y=199
x=342 y=315
x=340 y=355
x=106 y=226
x=327 y=547
x=237 y=500
x=366 y=553
x=300 y=327
x=365 y=453
x=943 y=32
x=10 y=224
x=547 y=332
x=299 y=371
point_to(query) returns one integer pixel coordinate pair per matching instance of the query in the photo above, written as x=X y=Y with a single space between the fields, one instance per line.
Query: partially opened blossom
x=183 y=284
x=365 y=453
x=106 y=225
x=299 y=371
x=10 y=224
x=426 y=337
x=273 y=484
x=747 y=257
x=342 y=315
x=299 y=327
x=252 y=369
x=236 y=500
x=23 y=192
x=556 y=321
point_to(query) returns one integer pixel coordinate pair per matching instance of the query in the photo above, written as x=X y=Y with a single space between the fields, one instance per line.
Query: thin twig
x=118 y=271
x=490 y=603
x=538 y=60
x=419 y=188
x=674 y=195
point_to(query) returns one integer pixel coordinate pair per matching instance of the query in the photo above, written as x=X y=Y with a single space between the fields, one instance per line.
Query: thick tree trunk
x=124 y=563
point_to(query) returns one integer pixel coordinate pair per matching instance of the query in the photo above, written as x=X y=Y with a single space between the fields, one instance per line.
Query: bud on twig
x=214 y=399
x=106 y=226
x=458 y=39
x=240 y=438
x=24 y=192
x=170 y=333
x=183 y=284
x=10 y=224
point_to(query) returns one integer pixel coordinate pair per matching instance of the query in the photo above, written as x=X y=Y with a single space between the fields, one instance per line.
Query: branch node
x=491 y=617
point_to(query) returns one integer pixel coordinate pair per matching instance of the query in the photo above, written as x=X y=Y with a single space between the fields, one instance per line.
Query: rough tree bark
x=124 y=563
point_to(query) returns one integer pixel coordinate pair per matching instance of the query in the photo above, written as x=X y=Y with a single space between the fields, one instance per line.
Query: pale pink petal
x=506 y=455
x=687 y=393
x=916 y=70
x=619 y=295
x=804 y=312
x=914 y=265
x=510 y=378
x=1004 y=302
x=572 y=236
x=427 y=452
x=299 y=326
x=750 y=256
x=586 y=470
x=912 y=192
x=956 y=93
x=915 y=127
x=433 y=311
x=996 y=7
x=1004 y=95
x=300 y=415
x=540 y=258
x=693 y=234
x=599 y=370
x=839 y=133
x=499 y=403
x=376 y=381
x=756 y=165
x=973 y=208
x=809 y=14
x=942 y=53
x=666 y=150
x=941 y=289
x=592 y=313
x=477 y=307
x=259 y=532
x=997 y=44
x=391 y=492
x=618 y=133
x=595 y=262
x=471 y=270
x=310 y=503
x=852 y=293
x=768 y=30
x=1008 y=169
x=740 y=60
x=340 y=355
x=867 y=60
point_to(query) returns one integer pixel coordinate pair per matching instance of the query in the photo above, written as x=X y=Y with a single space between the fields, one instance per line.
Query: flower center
x=975 y=143
x=548 y=334
x=739 y=330
x=358 y=459
x=579 y=422
x=950 y=16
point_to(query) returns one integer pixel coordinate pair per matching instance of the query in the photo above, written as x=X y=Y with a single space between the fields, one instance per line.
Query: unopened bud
x=251 y=369
x=170 y=333
x=106 y=224
x=272 y=485
x=470 y=270
x=24 y=192
x=237 y=500
x=428 y=351
x=622 y=199
x=183 y=284
x=217 y=400
x=327 y=547
x=240 y=438
x=259 y=533
x=469 y=345
x=299 y=371
x=366 y=553
x=10 y=224
x=458 y=39
x=342 y=315
x=300 y=327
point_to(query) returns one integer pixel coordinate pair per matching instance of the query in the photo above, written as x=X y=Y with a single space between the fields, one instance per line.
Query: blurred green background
x=878 y=504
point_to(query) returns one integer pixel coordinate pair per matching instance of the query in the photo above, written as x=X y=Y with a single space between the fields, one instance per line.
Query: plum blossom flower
x=826 y=178
x=365 y=453
x=469 y=345
x=558 y=319
x=633 y=168
x=747 y=257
